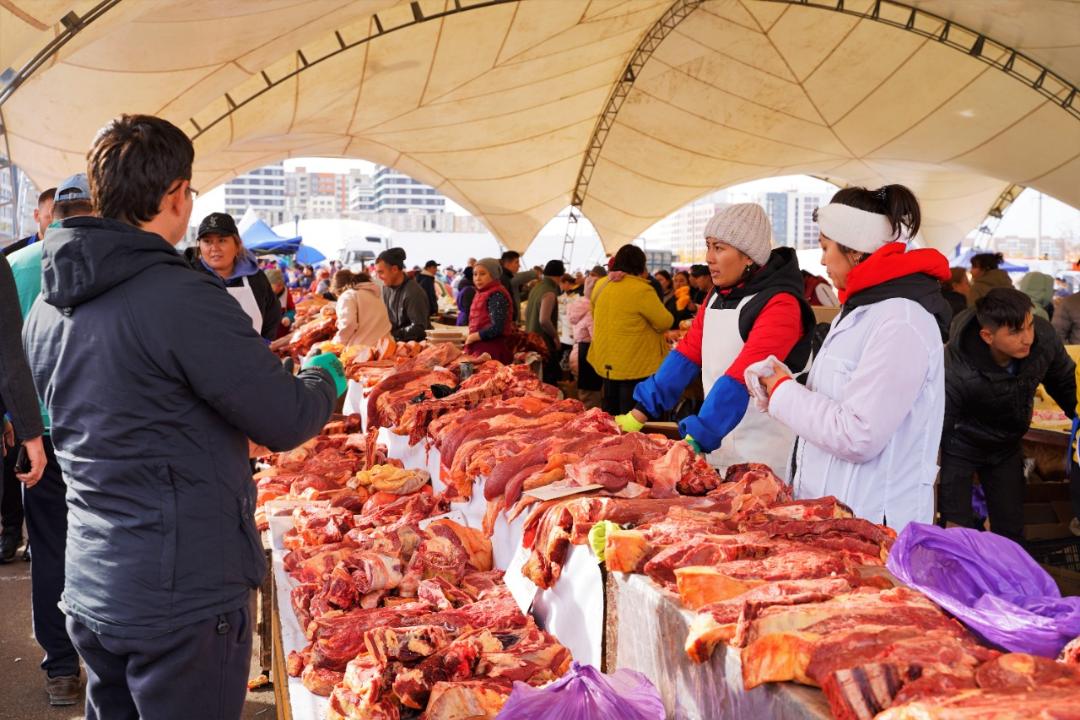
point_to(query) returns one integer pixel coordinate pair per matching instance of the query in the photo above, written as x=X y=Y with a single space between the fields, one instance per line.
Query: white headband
x=856 y=229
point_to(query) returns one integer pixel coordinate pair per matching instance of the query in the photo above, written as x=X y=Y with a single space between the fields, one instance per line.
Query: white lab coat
x=869 y=419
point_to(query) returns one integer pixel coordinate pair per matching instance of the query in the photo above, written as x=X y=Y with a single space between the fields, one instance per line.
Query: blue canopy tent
x=963 y=260
x=261 y=240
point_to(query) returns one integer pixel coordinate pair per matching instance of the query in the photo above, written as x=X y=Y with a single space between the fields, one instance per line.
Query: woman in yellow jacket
x=629 y=321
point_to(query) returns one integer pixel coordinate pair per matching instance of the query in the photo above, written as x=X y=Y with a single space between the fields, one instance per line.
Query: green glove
x=330 y=363
x=628 y=423
x=598 y=537
x=689 y=440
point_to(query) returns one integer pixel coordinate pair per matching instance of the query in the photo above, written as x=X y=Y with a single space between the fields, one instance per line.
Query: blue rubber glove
x=659 y=393
x=1072 y=445
x=722 y=410
x=331 y=365
x=628 y=423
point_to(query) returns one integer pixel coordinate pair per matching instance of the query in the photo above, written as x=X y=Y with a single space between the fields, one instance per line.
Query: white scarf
x=857 y=229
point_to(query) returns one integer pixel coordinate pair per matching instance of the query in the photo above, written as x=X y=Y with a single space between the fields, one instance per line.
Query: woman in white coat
x=869 y=418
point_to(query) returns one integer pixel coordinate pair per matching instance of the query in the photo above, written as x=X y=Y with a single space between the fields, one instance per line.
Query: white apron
x=246 y=297
x=758 y=437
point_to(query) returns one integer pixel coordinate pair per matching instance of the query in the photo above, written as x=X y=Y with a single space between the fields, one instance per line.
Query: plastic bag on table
x=990 y=584
x=585 y=693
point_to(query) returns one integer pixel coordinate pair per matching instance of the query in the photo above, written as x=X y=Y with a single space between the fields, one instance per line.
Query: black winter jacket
x=987 y=409
x=154 y=386
x=17 y=396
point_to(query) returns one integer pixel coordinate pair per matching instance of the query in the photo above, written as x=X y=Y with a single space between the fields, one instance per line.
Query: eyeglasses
x=191 y=191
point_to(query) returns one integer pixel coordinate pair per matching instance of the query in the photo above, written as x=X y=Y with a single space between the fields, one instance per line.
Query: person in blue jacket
x=155 y=387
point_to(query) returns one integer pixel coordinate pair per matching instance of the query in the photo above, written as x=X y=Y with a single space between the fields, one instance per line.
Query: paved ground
x=22 y=691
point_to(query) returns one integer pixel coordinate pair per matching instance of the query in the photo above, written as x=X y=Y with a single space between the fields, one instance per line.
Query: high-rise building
x=316 y=195
x=262 y=190
x=361 y=192
x=396 y=192
x=805 y=234
x=780 y=207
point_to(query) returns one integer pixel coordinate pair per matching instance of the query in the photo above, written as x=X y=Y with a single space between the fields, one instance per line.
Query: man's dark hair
x=393 y=256
x=699 y=270
x=134 y=161
x=72 y=208
x=987 y=261
x=1003 y=307
x=630 y=259
x=45 y=196
x=509 y=256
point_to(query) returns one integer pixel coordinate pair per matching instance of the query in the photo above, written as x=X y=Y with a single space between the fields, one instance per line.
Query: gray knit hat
x=492 y=266
x=744 y=227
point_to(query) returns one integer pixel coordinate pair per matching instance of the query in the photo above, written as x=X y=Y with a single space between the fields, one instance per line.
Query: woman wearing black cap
x=220 y=253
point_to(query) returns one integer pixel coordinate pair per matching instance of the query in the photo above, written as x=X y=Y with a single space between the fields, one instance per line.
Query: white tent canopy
x=517 y=108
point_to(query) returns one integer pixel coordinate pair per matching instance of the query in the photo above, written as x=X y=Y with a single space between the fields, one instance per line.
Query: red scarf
x=890 y=262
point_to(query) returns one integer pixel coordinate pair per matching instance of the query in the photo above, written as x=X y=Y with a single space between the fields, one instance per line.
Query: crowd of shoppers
x=129 y=436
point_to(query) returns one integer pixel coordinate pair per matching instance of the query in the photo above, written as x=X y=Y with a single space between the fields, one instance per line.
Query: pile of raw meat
x=798 y=586
x=402 y=609
x=316 y=322
x=320 y=469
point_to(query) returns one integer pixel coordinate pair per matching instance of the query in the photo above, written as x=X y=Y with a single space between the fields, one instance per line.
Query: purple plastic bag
x=990 y=584
x=585 y=693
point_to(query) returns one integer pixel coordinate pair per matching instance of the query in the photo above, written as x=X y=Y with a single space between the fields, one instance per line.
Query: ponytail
x=895 y=202
x=987 y=261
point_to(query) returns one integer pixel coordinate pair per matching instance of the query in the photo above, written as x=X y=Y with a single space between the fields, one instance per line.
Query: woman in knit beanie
x=755 y=310
x=490 y=317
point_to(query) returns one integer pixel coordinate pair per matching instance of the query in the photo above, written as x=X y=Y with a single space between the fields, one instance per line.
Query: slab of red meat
x=407 y=508
x=314 y=525
x=390 y=398
x=442 y=594
x=491 y=381
x=407 y=644
x=454 y=662
x=861 y=540
x=780 y=640
x=320 y=681
x=718 y=622
x=473 y=699
x=339 y=637
x=862 y=670
x=1050 y=703
x=553 y=526
x=710 y=550
x=826 y=508
x=1021 y=671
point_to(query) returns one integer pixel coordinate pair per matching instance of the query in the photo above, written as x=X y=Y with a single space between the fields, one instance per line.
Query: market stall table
x=645 y=632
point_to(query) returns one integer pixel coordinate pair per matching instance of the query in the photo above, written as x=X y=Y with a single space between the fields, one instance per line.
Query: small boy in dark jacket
x=997 y=356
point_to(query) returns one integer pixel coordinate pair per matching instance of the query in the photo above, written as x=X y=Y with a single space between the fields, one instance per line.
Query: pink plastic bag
x=585 y=693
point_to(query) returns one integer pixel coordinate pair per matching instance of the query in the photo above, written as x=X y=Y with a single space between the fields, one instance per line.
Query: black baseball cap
x=219 y=224
x=430 y=263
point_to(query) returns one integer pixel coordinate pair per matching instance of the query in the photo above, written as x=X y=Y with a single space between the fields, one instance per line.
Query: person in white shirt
x=869 y=418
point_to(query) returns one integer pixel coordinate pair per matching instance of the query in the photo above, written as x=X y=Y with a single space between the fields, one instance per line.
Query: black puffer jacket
x=987 y=409
x=155 y=384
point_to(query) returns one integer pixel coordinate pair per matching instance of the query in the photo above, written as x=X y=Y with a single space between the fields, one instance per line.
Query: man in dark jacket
x=406 y=303
x=997 y=356
x=426 y=281
x=155 y=387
